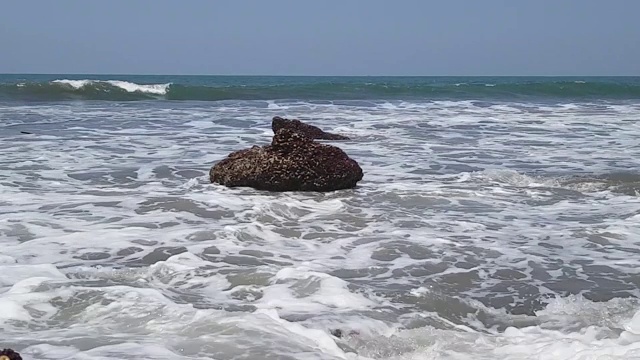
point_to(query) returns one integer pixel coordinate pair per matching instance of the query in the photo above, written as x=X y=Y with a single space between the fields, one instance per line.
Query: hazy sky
x=328 y=37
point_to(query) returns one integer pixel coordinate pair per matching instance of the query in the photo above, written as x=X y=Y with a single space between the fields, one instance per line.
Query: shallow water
x=481 y=230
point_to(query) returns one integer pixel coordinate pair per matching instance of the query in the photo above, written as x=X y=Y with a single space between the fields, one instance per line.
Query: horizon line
x=292 y=75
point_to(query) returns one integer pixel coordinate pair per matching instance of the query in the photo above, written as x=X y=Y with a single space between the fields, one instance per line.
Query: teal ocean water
x=498 y=218
x=213 y=88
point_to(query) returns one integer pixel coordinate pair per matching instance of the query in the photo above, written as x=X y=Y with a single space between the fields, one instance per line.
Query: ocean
x=498 y=218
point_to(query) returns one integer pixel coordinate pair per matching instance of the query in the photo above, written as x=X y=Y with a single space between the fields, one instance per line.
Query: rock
x=293 y=162
x=298 y=126
x=339 y=333
x=9 y=354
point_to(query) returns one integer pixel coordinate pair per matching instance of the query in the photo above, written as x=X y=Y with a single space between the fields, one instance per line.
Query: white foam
x=320 y=339
x=13 y=274
x=158 y=89
x=321 y=292
x=633 y=325
x=76 y=84
x=593 y=342
x=514 y=178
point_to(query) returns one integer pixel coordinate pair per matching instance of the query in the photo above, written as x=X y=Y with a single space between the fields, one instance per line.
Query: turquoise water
x=212 y=88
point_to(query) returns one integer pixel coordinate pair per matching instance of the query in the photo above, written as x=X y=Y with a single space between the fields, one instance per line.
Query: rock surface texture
x=9 y=354
x=310 y=131
x=293 y=162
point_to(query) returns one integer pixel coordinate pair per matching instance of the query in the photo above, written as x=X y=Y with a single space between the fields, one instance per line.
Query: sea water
x=498 y=218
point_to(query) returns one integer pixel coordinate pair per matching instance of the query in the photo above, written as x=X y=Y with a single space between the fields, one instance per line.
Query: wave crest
x=158 y=89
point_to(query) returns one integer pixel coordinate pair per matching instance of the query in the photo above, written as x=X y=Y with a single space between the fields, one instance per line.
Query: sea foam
x=157 y=89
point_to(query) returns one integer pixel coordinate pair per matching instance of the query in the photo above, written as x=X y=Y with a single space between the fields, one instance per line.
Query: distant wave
x=117 y=90
x=60 y=90
x=158 y=89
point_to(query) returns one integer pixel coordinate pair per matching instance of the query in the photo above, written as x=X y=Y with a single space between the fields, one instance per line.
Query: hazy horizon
x=321 y=75
x=331 y=38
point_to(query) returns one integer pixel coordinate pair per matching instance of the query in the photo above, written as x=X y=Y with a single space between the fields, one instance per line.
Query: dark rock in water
x=339 y=333
x=9 y=354
x=309 y=131
x=293 y=162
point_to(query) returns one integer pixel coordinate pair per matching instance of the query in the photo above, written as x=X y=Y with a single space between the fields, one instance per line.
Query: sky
x=329 y=37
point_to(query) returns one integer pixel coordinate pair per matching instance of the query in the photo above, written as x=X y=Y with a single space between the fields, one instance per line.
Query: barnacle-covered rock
x=293 y=162
x=9 y=354
x=310 y=131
